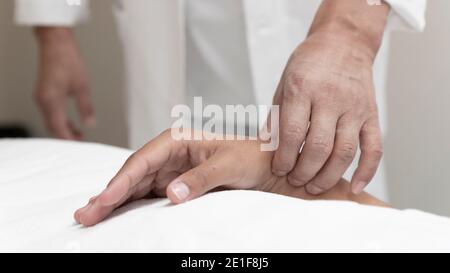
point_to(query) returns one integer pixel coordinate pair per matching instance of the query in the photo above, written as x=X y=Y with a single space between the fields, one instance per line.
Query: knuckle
x=293 y=131
x=330 y=87
x=200 y=180
x=346 y=152
x=320 y=147
x=375 y=152
x=295 y=83
x=328 y=91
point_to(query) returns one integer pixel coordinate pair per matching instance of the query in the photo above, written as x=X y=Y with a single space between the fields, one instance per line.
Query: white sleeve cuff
x=51 y=12
x=407 y=14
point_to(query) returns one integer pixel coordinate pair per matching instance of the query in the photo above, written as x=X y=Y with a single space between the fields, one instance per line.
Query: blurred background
x=417 y=144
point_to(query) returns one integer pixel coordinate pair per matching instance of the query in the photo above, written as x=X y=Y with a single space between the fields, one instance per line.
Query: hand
x=184 y=170
x=62 y=74
x=327 y=100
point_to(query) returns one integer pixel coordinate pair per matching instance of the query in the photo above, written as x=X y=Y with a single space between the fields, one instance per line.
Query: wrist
x=53 y=35
x=352 y=22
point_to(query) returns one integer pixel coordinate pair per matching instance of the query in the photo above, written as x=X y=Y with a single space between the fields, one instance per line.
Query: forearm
x=341 y=192
x=353 y=21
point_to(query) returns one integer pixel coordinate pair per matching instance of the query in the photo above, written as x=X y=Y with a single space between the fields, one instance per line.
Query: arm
x=327 y=99
x=327 y=93
x=62 y=75
x=62 y=71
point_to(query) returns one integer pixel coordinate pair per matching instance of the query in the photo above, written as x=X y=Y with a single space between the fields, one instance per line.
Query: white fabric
x=155 y=45
x=216 y=52
x=154 y=39
x=42 y=182
x=407 y=14
x=51 y=12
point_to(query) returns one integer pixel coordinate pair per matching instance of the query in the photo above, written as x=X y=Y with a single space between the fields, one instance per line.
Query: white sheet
x=42 y=182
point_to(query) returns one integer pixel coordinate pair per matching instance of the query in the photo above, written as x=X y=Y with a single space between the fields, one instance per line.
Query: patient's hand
x=184 y=170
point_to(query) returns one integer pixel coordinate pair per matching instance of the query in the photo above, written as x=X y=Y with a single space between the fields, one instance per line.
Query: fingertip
x=79 y=214
x=90 y=121
x=357 y=186
x=313 y=189
x=85 y=217
x=76 y=216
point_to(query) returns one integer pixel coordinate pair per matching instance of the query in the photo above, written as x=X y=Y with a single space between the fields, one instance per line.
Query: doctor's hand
x=62 y=75
x=183 y=170
x=327 y=99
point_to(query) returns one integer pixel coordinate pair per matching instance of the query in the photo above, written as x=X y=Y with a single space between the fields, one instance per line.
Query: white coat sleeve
x=51 y=12
x=407 y=14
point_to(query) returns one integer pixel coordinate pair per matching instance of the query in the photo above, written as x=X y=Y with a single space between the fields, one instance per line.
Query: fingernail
x=180 y=190
x=90 y=122
x=313 y=189
x=358 y=187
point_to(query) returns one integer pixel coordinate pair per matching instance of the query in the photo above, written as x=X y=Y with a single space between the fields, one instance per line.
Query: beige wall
x=102 y=51
x=417 y=147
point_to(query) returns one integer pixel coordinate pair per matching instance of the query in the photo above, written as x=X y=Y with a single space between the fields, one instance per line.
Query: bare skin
x=327 y=99
x=185 y=170
x=62 y=75
x=326 y=95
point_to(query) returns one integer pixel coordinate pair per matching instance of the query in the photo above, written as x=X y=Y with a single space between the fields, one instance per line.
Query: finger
x=95 y=211
x=344 y=151
x=84 y=105
x=213 y=173
x=143 y=189
x=60 y=126
x=317 y=149
x=371 y=154
x=76 y=132
x=78 y=212
x=146 y=161
x=55 y=116
x=295 y=114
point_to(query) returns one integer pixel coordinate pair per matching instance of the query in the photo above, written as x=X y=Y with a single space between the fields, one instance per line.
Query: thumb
x=213 y=173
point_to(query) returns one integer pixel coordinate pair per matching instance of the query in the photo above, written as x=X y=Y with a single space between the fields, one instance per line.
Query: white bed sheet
x=42 y=182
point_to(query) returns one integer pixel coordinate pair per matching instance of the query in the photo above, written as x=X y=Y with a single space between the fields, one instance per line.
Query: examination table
x=42 y=182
